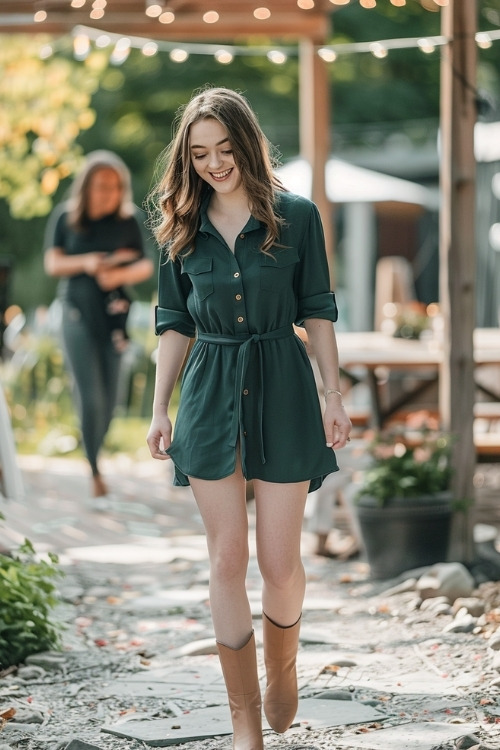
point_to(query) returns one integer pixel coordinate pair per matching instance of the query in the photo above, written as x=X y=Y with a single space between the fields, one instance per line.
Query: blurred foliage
x=28 y=593
x=45 y=106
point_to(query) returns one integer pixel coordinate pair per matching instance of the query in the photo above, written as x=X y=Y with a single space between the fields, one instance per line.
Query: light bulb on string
x=340 y=2
x=378 y=50
x=276 y=56
x=102 y=41
x=81 y=46
x=224 y=56
x=179 y=55
x=328 y=55
x=398 y=3
x=483 y=40
x=305 y=4
x=262 y=14
x=154 y=8
x=149 y=49
x=121 y=51
x=426 y=46
x=40 y=16
x=77 y=3
x=211 y=16
x=368 y=3
x=168 y=16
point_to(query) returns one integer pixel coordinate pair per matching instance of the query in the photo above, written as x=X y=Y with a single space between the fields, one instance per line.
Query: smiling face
x=212 y=156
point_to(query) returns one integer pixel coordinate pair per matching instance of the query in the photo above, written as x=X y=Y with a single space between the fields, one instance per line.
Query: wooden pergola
x=308 y=24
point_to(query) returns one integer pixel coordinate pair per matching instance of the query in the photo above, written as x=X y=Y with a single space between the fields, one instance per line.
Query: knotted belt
x=245 y=341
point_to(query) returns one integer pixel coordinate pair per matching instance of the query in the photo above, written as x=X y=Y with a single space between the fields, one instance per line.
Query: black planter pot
x=405 y=533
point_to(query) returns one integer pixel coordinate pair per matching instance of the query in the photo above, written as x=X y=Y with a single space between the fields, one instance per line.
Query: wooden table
x=416 y=359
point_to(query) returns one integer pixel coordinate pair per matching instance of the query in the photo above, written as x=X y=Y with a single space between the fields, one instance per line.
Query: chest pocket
x=200 y=272
x=276 y=273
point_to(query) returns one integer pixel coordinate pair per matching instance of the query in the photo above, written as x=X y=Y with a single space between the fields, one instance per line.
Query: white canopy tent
x=358 y=189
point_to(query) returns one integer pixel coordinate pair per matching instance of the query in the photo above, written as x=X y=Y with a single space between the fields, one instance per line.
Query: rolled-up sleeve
x=173 y=290
x=315 y=299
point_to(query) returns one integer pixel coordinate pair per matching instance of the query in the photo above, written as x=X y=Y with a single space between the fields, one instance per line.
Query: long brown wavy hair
x=78 y=202
x=175 y=201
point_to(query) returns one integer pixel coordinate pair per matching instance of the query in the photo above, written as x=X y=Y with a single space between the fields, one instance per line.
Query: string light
x=426 y=46
x=276 y=56
x=81 y=46
x=77 y=3
x=224 y=57
x=153 y=8
x=262 y=14
x=378 y=50
x=368 y=3
x=179 y=55
x=328 y=53
x=167 y=17
x=150 y=49
x=305 y=4
x=121 y=50
x=483 y=40
x=398 y=3
x=211 y=16
x=40 y=16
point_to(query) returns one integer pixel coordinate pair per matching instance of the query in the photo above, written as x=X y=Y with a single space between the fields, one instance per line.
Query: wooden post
x=458 y=256
x=314 y=131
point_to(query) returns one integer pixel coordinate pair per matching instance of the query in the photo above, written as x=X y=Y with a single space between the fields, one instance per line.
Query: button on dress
x=248 y=381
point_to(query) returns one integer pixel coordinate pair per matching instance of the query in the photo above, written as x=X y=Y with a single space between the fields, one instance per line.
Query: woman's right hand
x=159 y=436
x=92 y=262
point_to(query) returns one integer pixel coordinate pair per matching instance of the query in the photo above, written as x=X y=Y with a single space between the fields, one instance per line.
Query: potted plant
x=404 y=503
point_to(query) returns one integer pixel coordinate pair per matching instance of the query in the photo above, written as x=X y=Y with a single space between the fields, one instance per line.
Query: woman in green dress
x=243 y=261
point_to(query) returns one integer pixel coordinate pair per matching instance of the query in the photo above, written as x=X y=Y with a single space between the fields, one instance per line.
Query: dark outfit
x=87 y=325
x=248 y=379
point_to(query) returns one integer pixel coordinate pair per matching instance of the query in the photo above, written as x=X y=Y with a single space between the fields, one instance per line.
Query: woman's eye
x=199 y=156
x=228 y=152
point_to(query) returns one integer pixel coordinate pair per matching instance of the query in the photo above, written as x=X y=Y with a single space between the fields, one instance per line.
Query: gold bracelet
x=332 y=390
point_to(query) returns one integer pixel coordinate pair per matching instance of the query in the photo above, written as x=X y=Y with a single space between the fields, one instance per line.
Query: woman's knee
x=228 y=560
x=280 y=573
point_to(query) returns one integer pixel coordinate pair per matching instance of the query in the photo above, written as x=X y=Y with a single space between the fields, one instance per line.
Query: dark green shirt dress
x=248 y=379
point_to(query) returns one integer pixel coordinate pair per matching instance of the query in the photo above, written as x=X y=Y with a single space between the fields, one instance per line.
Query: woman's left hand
x=337 y=425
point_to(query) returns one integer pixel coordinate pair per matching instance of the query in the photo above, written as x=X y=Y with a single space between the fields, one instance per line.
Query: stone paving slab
x=411 y=736
x=213 y=722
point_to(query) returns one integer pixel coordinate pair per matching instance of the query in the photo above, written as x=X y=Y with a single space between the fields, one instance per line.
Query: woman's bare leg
x=280 y=513
x=222 y=505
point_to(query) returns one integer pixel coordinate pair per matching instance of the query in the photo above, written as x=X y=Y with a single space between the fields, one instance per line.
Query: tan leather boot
x=280 y=653
x=239 y=667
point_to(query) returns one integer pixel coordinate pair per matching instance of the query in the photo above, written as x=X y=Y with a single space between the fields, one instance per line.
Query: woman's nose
x=214 y=161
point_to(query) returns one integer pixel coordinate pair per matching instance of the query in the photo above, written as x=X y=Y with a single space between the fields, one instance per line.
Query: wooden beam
x=314 y=118
x=457 y=254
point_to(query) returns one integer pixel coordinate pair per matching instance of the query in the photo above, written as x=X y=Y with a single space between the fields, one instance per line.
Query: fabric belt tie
x=245 y=341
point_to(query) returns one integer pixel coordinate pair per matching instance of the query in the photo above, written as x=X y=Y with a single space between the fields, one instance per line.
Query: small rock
x=434 y=601
x=446 y=579
x=463 y=624
x=27 y=716
x=472 y=604
x=494 y=641
x=335 y=695
x=79 y=745
x=496 y=661
x=48 y=660
x=30 y=674
x=467 y=742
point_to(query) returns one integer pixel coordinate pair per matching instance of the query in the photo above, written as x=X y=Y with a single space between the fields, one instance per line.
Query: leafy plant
x=403 y=471
x=27 y=596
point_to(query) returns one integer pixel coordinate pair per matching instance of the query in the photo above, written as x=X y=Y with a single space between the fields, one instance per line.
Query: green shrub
x=27 y=598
